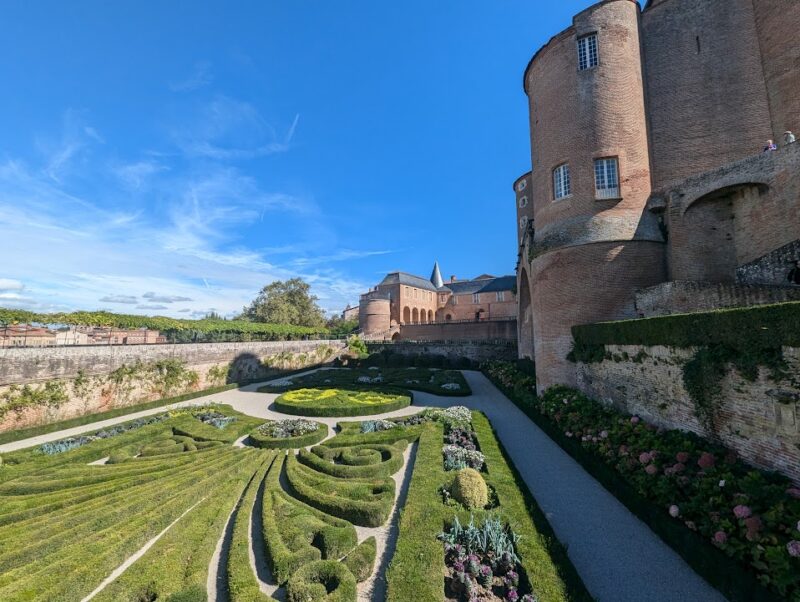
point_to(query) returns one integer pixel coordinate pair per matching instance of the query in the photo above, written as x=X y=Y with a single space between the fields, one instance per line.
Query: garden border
x=300 y=441
x=346 y=411
x=731 y=578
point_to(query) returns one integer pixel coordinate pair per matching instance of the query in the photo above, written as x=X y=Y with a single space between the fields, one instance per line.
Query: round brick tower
x=374 y=316
x=594 y=242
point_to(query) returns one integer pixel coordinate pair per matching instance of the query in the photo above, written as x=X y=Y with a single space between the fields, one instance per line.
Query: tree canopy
x=286 y=302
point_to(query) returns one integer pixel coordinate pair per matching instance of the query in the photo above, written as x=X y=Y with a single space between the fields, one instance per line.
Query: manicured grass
x=341 y=402
x=259 y=439
x=417 y=569
x=242 y=583
x=414 y=379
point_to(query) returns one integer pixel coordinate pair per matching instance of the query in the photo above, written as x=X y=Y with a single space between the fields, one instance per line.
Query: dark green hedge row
x=108 y=319
x=719 y=570
x=323 y=580
x=356 y=409
x=362 y=502
x=260 y=440
x=329 y=460
x=761 y=327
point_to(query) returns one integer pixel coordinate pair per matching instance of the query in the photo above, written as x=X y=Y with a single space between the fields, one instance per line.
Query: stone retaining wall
x=74 y=381
x=476 y=352
x=758 y=419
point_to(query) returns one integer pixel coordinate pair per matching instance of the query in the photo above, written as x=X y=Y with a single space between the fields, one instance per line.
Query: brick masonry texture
x=679 y=297
x=214 y=363
x=685 y=95
x=505 y=330
x=759 y=420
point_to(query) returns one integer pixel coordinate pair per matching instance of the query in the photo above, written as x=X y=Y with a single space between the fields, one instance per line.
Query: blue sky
x=173 y=157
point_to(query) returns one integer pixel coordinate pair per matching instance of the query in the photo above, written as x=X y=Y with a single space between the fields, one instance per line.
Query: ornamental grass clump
x=470 y=489
x=214 y=418
x=456 y=458
x=376 y=426
x=285 y=429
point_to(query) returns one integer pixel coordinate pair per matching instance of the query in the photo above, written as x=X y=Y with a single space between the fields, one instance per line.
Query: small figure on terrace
x=771 y=146
x=794 y=274
x=788 y=138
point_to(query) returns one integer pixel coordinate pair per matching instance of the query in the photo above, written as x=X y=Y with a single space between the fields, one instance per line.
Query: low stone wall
x=678 y=297
x=500 y=330
x=773 y=268
x=475 y=352
x=758 y=419
x=44 y=385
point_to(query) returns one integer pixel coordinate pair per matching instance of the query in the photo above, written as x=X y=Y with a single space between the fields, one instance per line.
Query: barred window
x=500 y=296
x=587 y=52
x=476 y=298
x=606 y=178
x=561 y=182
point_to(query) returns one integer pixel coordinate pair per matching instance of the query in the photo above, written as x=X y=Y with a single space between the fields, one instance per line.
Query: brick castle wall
x=476 y=352
x=759 y=420
x=505 y=330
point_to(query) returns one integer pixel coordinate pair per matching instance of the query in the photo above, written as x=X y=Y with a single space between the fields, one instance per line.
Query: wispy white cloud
x=200 y=77
x=165 y=298
x=152 y=307
x=137 y=175
x=75 y=137
x=227 y=129
x=7 y=284
x=127 y=299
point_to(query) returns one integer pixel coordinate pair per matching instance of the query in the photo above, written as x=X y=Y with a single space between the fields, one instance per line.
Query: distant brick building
x=405 y=299
x=647 y=128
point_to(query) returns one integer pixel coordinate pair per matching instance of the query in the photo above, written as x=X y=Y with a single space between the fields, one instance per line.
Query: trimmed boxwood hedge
x=311 y=583
x=362 y=559
x=728 y=576
x=260 y=440
x=334 y=460
x=285 y=406
x=760 y=327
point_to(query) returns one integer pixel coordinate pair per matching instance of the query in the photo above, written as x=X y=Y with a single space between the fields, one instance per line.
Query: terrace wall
x=758 y=419
x=475 y=351
x=87 y=376
x=488 y=330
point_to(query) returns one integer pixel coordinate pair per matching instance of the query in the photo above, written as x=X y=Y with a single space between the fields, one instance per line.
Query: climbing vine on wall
x=17 y=399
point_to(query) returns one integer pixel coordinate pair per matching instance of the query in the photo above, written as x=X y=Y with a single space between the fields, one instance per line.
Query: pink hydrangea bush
x=752 y=516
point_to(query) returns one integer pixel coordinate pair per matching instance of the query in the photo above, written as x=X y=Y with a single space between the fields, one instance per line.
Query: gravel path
x=618 y=557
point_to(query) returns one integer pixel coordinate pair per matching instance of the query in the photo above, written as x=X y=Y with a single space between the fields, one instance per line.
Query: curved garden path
x=618 y=557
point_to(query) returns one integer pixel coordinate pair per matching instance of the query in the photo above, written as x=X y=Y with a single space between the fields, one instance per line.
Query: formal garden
x=203 y=502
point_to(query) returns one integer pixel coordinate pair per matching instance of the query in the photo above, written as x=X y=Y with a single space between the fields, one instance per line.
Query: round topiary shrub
x=470 y=489
x=327 y=580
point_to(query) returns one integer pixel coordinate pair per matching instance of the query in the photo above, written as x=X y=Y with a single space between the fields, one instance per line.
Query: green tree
x=340 y=327
x=286 y=302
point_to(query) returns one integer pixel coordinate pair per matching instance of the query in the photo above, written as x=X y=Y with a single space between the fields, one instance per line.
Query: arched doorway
x=396 y=336
x=406 y=315
x=430 y=316
x=423 y=316
x=525 y=339
x=415 y=316
x=448 y=317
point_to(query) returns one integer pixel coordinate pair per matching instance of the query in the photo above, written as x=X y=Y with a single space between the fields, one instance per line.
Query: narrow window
x=476 y=298
x=561 y=182
x=522 y=185
x=501 y=296
x=455 y=300
x=523 y=202
x=587 y=52
x=606 y=178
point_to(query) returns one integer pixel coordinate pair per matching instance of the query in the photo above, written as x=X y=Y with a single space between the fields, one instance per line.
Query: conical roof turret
x=436 y=276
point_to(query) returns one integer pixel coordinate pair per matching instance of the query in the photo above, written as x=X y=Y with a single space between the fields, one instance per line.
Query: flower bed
x=64 y=445
x=341 y=402
x=288 y=434
x=732 y=523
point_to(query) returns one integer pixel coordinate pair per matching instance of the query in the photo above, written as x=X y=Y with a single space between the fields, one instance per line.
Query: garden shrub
x=362 y=559
x=322 y=581
x=470 y=489
x=369 y=461
x=341 y=402
x=288 y=434
x=734 y=524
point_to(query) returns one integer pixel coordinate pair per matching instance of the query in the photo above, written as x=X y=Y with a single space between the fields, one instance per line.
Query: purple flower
x=794 y=492
x=512 y=578
x=706 y=461
x=512 y=595
x=742 y=512
x=645 y=458
x=604 y=434
x=679 y=467
x=674 y=511
x=651 y=469
x=682 y=457
x=793 y=547
x=720 y=538
x=635 y=420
